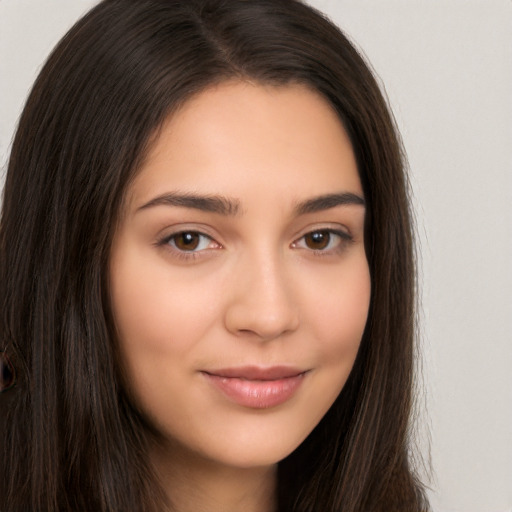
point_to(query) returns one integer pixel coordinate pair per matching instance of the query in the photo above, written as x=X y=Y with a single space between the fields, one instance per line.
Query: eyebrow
x=231 y=207
x=205 y=203
x=328 y=201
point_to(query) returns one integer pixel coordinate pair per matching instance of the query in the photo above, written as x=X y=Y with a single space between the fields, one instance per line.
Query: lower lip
x=257 y=394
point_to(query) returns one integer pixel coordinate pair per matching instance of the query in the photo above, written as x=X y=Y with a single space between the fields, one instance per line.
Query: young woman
x=207 y=275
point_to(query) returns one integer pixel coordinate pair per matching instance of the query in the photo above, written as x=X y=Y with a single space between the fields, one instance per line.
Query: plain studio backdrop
x=447 y=70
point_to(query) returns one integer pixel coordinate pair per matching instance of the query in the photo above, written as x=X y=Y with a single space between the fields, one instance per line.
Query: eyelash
x=184 y=254
x=169 y=241
x=344 y=238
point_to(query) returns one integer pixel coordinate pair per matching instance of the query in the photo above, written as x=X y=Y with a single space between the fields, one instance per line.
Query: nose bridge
x=262 y=300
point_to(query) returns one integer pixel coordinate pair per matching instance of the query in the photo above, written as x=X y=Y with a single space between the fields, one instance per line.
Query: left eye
x=189 y=241
x=322 y=240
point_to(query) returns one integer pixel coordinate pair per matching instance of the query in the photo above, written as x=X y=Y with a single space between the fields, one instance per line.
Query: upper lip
x=257 y=372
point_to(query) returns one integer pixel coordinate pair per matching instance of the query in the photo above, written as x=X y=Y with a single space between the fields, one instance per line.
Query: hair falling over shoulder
x=71 y=439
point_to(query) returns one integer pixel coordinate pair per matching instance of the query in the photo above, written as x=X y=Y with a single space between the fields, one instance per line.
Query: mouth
x=256 y=387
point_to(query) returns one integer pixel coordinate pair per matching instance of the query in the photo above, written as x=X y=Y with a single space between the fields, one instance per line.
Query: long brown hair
x=71 y=439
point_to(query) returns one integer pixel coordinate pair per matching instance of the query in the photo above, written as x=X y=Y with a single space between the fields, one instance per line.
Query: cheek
x=339 y=318
x=161 y=318
x=157 y=310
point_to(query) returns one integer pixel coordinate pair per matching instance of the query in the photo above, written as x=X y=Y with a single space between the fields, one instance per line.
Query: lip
x=257 y=387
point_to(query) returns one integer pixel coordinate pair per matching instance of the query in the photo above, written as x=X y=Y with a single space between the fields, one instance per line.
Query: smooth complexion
x=240 y=287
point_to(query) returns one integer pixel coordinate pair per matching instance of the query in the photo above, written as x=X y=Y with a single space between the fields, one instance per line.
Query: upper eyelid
x=166 y=238
x=332 y=227
x=345 y=236
x=170 y=231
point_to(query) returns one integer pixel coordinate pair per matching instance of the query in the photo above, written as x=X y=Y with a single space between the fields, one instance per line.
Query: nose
x=261 y=301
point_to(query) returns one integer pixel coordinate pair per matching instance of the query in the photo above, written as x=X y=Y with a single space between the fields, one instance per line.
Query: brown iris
x=317 y=240
x=187 y=241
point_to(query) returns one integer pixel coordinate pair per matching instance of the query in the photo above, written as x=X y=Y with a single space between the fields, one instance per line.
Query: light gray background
x=447 y=69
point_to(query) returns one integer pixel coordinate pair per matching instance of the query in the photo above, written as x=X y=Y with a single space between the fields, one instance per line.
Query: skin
x=256 y=288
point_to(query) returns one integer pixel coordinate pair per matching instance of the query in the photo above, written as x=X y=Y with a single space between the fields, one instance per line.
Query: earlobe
x=7 y=373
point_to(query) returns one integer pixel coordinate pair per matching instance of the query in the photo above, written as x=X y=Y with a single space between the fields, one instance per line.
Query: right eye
x=190 y=242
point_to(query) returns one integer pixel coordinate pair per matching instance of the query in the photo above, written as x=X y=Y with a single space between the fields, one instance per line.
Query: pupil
x=187 y=241
x=318 y=240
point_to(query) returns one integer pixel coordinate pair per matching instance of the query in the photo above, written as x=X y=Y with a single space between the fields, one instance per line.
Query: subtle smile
x=257 y=388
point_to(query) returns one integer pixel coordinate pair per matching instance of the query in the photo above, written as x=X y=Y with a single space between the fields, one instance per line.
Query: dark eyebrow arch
x=327 y=201
x=207 y=203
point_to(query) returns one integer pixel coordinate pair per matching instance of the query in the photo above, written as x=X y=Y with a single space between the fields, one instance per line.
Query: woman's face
x=239 y=281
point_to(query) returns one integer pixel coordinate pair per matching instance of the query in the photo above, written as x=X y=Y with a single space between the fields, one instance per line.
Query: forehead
x=237 y=136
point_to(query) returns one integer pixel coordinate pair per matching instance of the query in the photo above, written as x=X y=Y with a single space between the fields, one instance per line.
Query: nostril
x=247 y=321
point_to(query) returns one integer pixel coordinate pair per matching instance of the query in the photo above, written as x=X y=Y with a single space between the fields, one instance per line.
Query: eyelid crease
x=176 y=228
x=333 y=227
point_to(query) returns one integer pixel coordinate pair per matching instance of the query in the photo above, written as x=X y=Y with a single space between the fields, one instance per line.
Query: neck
x=196 y=484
